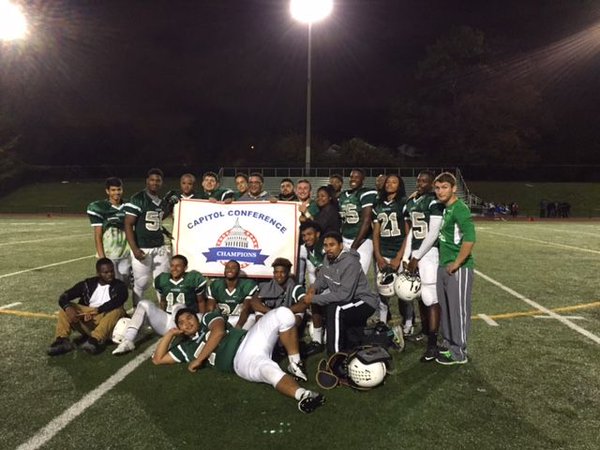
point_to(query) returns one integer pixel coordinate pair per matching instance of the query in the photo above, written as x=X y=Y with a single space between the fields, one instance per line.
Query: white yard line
x=10 y=305
x=45 y=239
x=548 y=243
x=543 y=309
x=566 y=317
x=574 y=231
x=6 y=275
x=60 y=422
x=487 y=319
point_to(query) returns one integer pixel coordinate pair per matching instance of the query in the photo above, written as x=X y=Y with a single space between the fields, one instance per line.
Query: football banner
x=209 y=234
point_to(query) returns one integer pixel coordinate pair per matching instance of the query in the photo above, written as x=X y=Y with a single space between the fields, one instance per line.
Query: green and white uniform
x=230 y=302
x=314 y=260
x=103 y=213
x=425 y=216
x=392 y=231
x=352 y=203
x=183 y=291
x=222 y=358
x=149 y=212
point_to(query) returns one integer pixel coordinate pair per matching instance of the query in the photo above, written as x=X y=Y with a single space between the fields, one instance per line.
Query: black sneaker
x=80 y=340
x=429 y=355
x=310 y=401
x=313 y=348
x=60 y=346
x=92 y=346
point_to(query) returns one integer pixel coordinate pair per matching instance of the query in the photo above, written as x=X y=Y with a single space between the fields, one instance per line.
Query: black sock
x=432 y=339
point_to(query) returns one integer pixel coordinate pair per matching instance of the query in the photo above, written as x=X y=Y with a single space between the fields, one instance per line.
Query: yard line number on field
x=541 y=308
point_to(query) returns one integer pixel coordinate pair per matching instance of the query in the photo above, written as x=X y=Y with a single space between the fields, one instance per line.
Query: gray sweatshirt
x=345 y=280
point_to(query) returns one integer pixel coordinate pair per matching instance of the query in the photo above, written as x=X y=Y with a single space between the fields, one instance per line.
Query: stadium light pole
x=309 y=12
x=13 y=24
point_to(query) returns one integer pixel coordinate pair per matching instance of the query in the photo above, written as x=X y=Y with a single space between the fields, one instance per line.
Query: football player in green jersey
x=455 y=273
x=314 y=254
x=232 y=350
x=107 y=218
x=177 y=289
x=423 y=213
x=232 y=295
x=211 y=190
x=389 y=233
x=356 y=205
x=143 y=228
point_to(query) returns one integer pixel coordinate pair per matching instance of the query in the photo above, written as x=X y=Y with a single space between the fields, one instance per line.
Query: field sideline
x=533 y=380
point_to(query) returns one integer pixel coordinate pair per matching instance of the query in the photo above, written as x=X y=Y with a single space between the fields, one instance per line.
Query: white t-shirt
x=100 y=296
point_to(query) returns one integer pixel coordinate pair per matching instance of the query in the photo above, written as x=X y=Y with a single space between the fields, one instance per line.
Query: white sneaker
x=124 y=347
x=408 y=329
x=297 y=370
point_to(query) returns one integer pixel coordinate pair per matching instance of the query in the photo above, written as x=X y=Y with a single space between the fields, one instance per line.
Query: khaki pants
x=99 y=327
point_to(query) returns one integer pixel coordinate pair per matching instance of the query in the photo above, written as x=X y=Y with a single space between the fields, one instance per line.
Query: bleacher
x=273 y=177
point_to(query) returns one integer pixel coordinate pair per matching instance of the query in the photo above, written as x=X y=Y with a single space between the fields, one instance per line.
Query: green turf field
x=532 y=382
x=583 y=197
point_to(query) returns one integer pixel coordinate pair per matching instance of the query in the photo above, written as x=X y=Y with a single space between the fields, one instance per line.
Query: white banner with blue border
x=209 y=234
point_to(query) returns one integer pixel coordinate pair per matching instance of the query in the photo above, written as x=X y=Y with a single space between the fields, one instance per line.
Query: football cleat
x=124 y=347
x=310 y=401
x=298 y=371
x=313 y=348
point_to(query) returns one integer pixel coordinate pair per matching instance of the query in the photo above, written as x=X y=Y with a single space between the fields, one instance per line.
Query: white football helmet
x=407 y=286
x=385 y=283
x=366 y=375
x=118 y=334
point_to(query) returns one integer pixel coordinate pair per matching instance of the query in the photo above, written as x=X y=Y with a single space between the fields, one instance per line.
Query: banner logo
x=238 y=244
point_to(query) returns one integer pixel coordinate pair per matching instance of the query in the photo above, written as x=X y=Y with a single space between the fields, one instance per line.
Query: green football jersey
x=392 y=231
x=351 y=206
x=149 y=213
x=457 y=226
x=217 y=194
x=222 y=358
x=316 y=255
x=182 y=291
x=111 y=218
x=418 y=211
x=230 y=302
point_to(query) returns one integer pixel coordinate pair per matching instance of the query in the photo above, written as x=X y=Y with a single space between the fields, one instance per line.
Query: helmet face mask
x=385 y=283
x=118 y=334
x=407 y=286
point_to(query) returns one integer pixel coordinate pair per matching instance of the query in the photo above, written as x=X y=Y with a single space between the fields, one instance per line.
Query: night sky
x=240 y=66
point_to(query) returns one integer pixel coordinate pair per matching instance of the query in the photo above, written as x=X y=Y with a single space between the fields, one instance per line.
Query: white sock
x=295 y=358
x=299 y=393
x=317 y=335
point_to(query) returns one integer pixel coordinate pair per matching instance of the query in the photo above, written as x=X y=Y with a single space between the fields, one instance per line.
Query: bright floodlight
x=13 y=25
x=310 y=11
